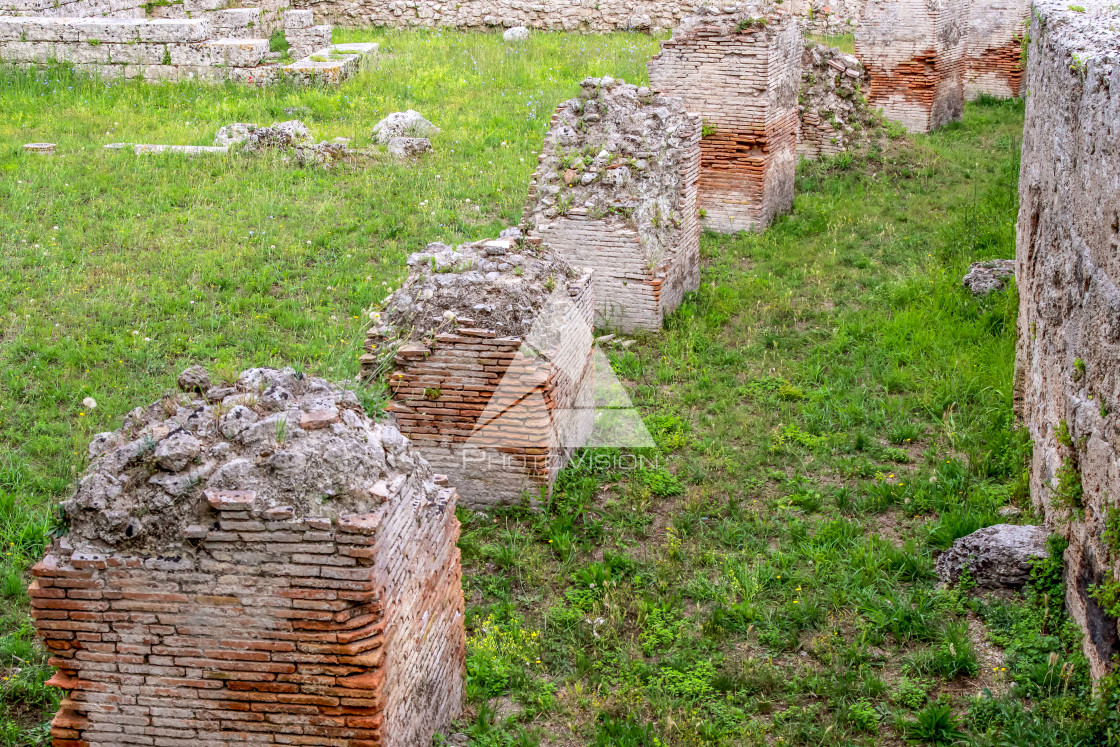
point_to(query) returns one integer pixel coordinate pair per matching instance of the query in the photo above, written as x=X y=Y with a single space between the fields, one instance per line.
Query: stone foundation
x=739 y=69
x=994 y=65
x=217 y=46
x=260 y=564
x=616 y=191
x=487 y=348
x=915 y=53
x=1068 y=271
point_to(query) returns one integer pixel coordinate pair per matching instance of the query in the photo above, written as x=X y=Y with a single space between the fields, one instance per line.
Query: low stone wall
x=1068 y=271
x=915 y=52
x=553 y=15
x=488 y=353
x=616 y=191
x=994 y=63
x=220 y=46
x=740 y=69
x=257 y=563
x=827 y=16
x=78 y=8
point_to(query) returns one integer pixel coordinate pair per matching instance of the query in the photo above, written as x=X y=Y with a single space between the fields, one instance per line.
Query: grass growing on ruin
x=831 y=407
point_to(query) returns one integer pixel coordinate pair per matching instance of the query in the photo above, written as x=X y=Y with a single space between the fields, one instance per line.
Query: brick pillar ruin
x=739 y=68
x=257 y=563
x=616 y=191
x=994 y=62
x=1068 y=270
x=488 y=352
x=914 y=51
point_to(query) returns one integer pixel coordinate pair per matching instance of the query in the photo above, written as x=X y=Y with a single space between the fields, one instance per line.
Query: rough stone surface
x=409 y=124
x=994 y=61
x=516 y=34
x=234 y=134
x=290 y=134
x=223 y=561
x=488 y=349
x=615 y=190
x=994 y=557
x=408 y=147
x=739 y=68
x=989 y=276
x=1068 y=273
x=914 y=51
x=832 y=105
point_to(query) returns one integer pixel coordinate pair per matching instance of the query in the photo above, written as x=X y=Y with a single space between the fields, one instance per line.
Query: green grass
x=843 y=42
x=831 y=408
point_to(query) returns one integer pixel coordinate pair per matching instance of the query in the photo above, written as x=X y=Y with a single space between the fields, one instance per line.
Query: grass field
x=832 y=408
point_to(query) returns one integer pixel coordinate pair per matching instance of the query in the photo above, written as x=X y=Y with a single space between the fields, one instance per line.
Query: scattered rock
x=989 y=276
x=516 y=34
x=44 y=149
x=290 y=134
x=408 y=124
x=999 y=555
x=234 y=134
x=194 y=379
x=408 y=147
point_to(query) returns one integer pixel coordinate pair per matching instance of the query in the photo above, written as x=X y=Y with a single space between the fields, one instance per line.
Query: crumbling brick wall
x=1068 y=271
x=827 y=16
x=994 y=64
x=256 y=563
x=487 y=348
x=616 y=191
x=832 y=104
x=914 y=51
x=739 y=68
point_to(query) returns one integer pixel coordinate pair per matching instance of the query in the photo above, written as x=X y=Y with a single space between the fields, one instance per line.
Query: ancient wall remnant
x=1068 y=272
x=914 y=51
x=212 y=46
x=833 y=102
x=827 y=16
x=994 y=61
x=488 y=351
x=739 y=68
x=553 y=15
x=616 y=191
x=255 y=563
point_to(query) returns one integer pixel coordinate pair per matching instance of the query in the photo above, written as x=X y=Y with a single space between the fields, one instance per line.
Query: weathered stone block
x=239 y=52
x=739 y=68
x=1068 y=273
x=175 y=31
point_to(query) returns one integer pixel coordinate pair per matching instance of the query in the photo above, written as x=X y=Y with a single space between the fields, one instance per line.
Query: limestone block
x=194 y=55
x=997 y=556
x=50 y=30
x=178 y=31
x=1067 y=381
x=10 y=29
x=239 y=52
x=83 y=53
x=108 y=31
x=159 y=73
x=298 y=19
x=240 y=23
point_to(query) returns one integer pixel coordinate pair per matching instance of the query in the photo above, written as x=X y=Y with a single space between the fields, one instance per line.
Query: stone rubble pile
x=832 y=104
x=488 y=348
x=994 y=557
x=615 y=190
x=258 y=557
x=989 y=276
x=405 y=134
